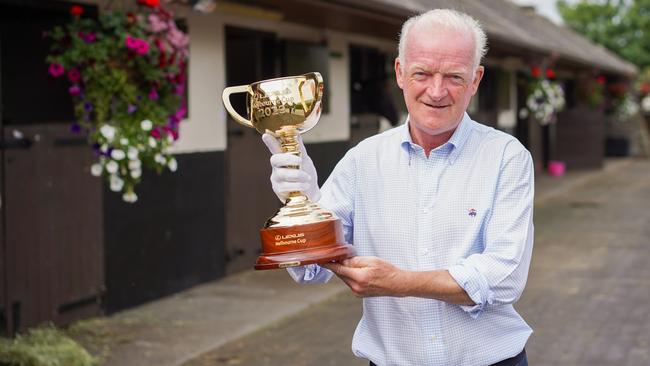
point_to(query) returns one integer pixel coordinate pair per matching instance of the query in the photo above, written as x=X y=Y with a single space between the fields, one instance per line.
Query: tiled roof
x=508 y=23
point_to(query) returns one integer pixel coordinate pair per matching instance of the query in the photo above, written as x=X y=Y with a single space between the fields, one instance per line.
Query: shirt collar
x=457 y=139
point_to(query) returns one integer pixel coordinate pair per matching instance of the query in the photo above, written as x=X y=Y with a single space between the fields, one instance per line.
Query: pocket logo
x=471 y=212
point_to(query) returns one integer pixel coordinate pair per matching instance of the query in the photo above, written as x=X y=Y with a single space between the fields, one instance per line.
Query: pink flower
x=155 y=133
x=176 y=37
x=142 y=48
x=74 y=75
x=156 y=24
x=180 y=113
x=131 y=42
x=56 y=70
x=153 y=94
x=74 y=90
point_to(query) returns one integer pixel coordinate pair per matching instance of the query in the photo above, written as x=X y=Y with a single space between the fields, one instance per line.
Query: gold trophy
x=301 y=232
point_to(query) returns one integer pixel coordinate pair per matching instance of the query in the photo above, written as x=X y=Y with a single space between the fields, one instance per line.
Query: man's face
x=438 y=78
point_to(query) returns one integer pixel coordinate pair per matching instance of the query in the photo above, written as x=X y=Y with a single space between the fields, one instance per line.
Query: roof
x=505 y=22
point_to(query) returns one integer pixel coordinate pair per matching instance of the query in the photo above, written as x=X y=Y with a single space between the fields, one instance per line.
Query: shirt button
x=425 y=210
x=424 y=251
x=433 y=338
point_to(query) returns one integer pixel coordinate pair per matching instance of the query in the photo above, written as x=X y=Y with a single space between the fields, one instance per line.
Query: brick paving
x=587 y=298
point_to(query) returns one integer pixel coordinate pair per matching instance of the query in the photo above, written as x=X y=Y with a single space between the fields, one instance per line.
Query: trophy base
x=298 y=245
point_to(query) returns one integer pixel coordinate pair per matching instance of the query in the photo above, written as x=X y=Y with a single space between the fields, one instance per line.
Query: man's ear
x=398 y=73
x=478 y=75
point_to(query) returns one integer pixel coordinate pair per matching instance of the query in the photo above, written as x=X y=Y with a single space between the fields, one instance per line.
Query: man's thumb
x=272 y=143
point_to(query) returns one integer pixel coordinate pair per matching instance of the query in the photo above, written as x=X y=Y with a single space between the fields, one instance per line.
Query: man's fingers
x=281 y=160
x=272 y=143
x=290 y=175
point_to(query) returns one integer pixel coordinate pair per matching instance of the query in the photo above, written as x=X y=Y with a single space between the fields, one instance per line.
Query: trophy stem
x=289 y=144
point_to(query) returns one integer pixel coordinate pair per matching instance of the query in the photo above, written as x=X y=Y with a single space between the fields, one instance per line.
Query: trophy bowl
x=301 y=232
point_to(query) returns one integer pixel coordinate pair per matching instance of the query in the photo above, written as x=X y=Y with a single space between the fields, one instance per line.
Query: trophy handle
x=225 y=96
x=318 y=85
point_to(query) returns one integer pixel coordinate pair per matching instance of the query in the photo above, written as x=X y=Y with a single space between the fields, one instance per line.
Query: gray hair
x=450 y=20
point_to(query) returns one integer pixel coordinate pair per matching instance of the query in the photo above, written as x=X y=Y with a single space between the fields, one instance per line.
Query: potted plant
x=127 y=77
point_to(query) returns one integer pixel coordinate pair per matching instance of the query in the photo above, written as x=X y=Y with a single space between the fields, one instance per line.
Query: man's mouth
x=436 y=105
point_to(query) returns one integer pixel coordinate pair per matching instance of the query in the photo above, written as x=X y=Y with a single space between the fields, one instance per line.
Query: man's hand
x=369 y=276
x=372 y=276
x=285 y=179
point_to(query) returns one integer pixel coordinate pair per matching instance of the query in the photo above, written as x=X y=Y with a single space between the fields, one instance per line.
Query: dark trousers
x=518 y=360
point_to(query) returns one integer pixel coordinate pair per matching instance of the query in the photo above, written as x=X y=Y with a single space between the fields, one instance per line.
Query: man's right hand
x=285 y=179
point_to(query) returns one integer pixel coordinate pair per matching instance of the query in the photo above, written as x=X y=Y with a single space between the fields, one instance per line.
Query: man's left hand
x=370 y=276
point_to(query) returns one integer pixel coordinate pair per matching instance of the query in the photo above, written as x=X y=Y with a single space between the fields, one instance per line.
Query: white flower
x=146 y=125
x=135 y=164
x=152 y=142
x=172 y=164
x=116 y=183
x=103 y=148
x=108 y=132
x=111 y=167
x=158 y=158
x=124 y=141
x=118 y=154
x=136 y=173
x=130 y=197
x=523 y=113
x=132 y=153
x=96 y=169
x=645 y=103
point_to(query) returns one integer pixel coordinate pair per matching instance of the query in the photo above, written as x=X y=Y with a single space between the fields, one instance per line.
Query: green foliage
x=45 y=346
x=127 y=80
x=621 y=26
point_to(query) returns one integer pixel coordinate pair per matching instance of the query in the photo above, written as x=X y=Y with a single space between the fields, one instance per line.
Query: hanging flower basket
x=127 y=77
x=545 y=97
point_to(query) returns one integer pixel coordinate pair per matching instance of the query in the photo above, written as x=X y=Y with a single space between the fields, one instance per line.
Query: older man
x=440 y=210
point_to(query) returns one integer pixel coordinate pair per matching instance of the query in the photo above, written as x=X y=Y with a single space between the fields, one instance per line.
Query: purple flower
x=74 y=90
x=153 y=94
x=179 y=89
x=131 y=108
x=75 y=128
x=180 y=113
x=88 y=107
x=56 y=70
x=88 y=37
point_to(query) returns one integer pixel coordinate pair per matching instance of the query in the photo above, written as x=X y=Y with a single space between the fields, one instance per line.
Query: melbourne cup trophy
x=301 y=232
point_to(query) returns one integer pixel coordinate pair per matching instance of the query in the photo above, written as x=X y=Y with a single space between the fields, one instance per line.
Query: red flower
x=550 y=74
x=150 y=3
x=536 y=71
x=74 y=75
x=601 y=79
x=76 y=10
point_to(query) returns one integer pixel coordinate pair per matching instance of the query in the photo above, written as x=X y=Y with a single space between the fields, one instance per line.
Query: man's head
x=438 y=68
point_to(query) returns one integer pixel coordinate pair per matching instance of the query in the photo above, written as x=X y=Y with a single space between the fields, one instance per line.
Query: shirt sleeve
x=337 y=195
x=498 y=274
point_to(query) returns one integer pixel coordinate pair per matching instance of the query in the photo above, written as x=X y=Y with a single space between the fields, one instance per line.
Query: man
x=439 y=209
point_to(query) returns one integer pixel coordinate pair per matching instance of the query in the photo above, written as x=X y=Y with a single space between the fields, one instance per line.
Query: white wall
x=205 y=129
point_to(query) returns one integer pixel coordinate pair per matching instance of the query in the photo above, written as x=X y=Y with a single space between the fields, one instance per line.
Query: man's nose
x=436 y=89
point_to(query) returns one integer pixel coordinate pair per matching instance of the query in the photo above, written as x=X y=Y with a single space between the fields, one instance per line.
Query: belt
x=512 y=361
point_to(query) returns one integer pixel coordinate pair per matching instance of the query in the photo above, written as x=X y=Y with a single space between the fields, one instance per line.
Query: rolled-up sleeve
x=498 y=275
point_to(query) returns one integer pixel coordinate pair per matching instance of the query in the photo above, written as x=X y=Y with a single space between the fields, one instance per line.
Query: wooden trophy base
x=298 y=245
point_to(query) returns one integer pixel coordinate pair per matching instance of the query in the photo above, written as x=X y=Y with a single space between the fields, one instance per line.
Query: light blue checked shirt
x=467 y=208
